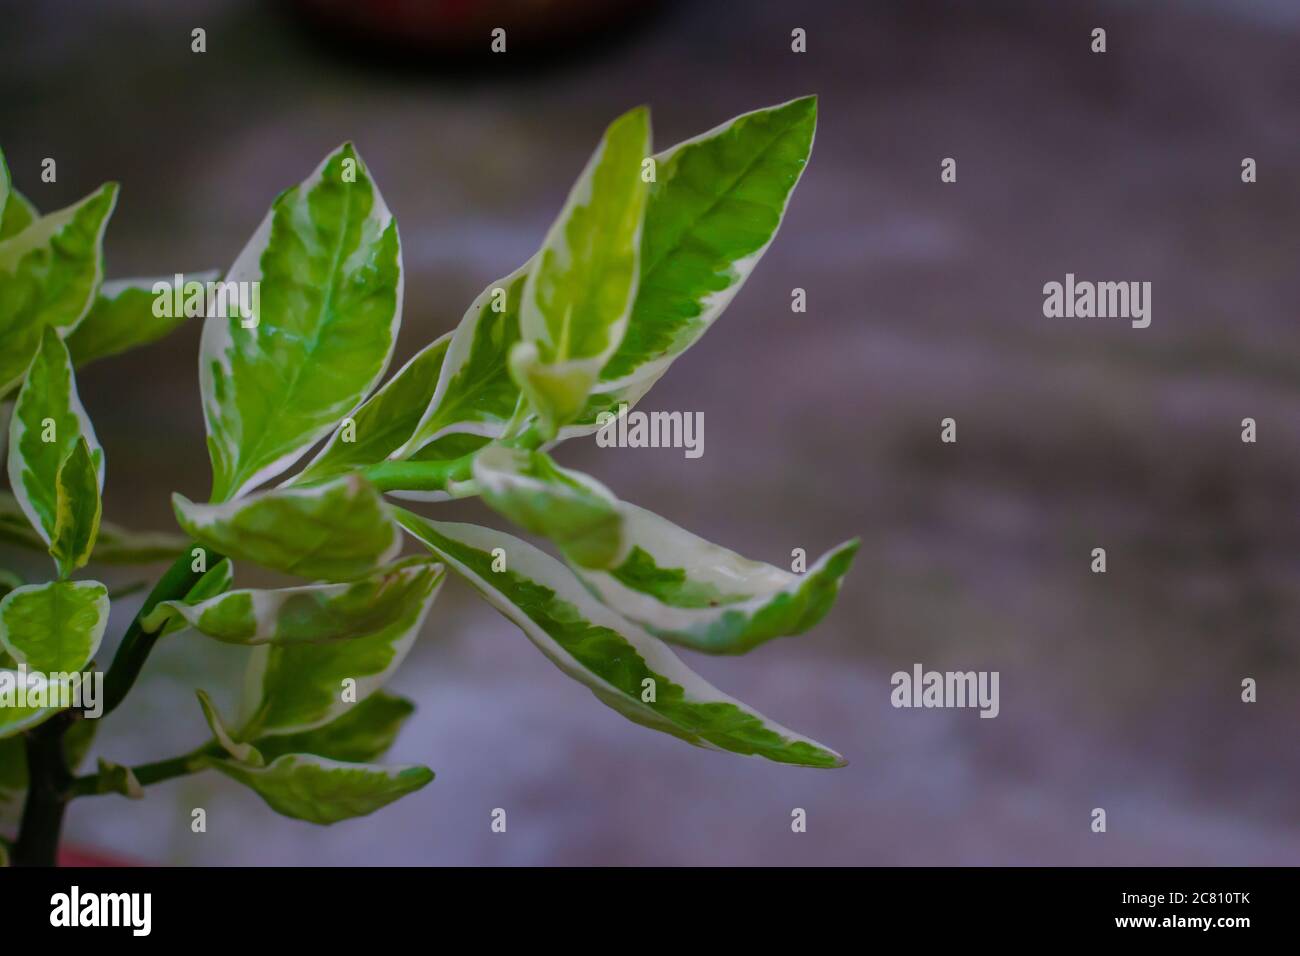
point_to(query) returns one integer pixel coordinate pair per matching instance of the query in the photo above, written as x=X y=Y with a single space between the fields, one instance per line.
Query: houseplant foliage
x=645 y=254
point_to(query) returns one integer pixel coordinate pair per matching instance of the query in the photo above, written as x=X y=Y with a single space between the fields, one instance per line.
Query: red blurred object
x=76 y=857
x=464 y=27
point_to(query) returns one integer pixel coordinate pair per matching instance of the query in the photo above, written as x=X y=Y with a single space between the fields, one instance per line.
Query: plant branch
x=136 y=642
x=47 y=793
x=149 y=773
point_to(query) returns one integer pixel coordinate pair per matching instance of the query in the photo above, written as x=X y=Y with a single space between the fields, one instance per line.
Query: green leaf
x=316 y=614
x=298 y=687
x=244 y=753
x=324 y=791
x=474 y=393
x=581 y=284
x=620 y=663
x=334 y=531
x=215 y=581
x=329 y=264
x=385 y=421
x=18 y=215
x=365 y=732
x=691 y=592
x=123 y=316
x=714 y=208
x=54 y=627
x=48 y=422
x=54 y=691
x=77 y=510
x=49 y=274
x=576 y=512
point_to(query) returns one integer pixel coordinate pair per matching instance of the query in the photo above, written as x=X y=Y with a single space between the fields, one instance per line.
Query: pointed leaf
x=581 y=284
x=333 y=532
x=47 y=423
x=123 y=316
x=325 y=791
x=298 y=687
x=328 y=261
x=475 y=393
x=315 y=614
x=714 y=208
x=215 y=581
x=18 y=215
x=55 y=627
x=576 y=512
x=365 y=732
x=385 y=421
x=691 y=592
x=619 y=662
x=49 y=273
x=244 y=753
x=77 y=510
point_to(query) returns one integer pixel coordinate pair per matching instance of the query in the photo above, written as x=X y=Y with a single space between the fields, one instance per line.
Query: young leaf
x=576 y=512
x=329 y=264
x=244 y=753
x=324 y=791
x=622 y=665
x=475 y=393
x=299 y=687
x=385 y=421
x=114 y=778
x=335 y=531
x=691 y=592
x=123 y=317
x=714 y=208
x=77 y=509
x=49 y=273
x=48 y=421
x=365 y=732
x=55 y=627
x=316 y=614
x=581 y=284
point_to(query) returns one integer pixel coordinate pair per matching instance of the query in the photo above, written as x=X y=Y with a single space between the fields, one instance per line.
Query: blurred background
x=1119 y=690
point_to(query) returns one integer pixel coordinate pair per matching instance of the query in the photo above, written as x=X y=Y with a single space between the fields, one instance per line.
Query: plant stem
x=136 y=643
x=50 y=782
x=47 y=793
x=149 y=773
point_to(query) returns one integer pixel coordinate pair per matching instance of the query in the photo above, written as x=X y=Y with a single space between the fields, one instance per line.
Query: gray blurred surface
x=1119 y=691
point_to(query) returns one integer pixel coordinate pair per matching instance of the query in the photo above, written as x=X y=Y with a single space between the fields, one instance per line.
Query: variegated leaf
x=48 y=421
x=328 y=263
x=294 y=688
x=124 y=316
x=576 y=512
x=365 y=732
x=334 y=531
x=315 y=614
x=581 y=285
x=324 y=791
x=49 y=274
x=626 y=668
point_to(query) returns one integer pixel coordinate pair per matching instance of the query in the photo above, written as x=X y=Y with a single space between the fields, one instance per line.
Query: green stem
x=136 y=642
x=47 y=793
x=149 y=773
x=420 y=475
x=50 y=783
